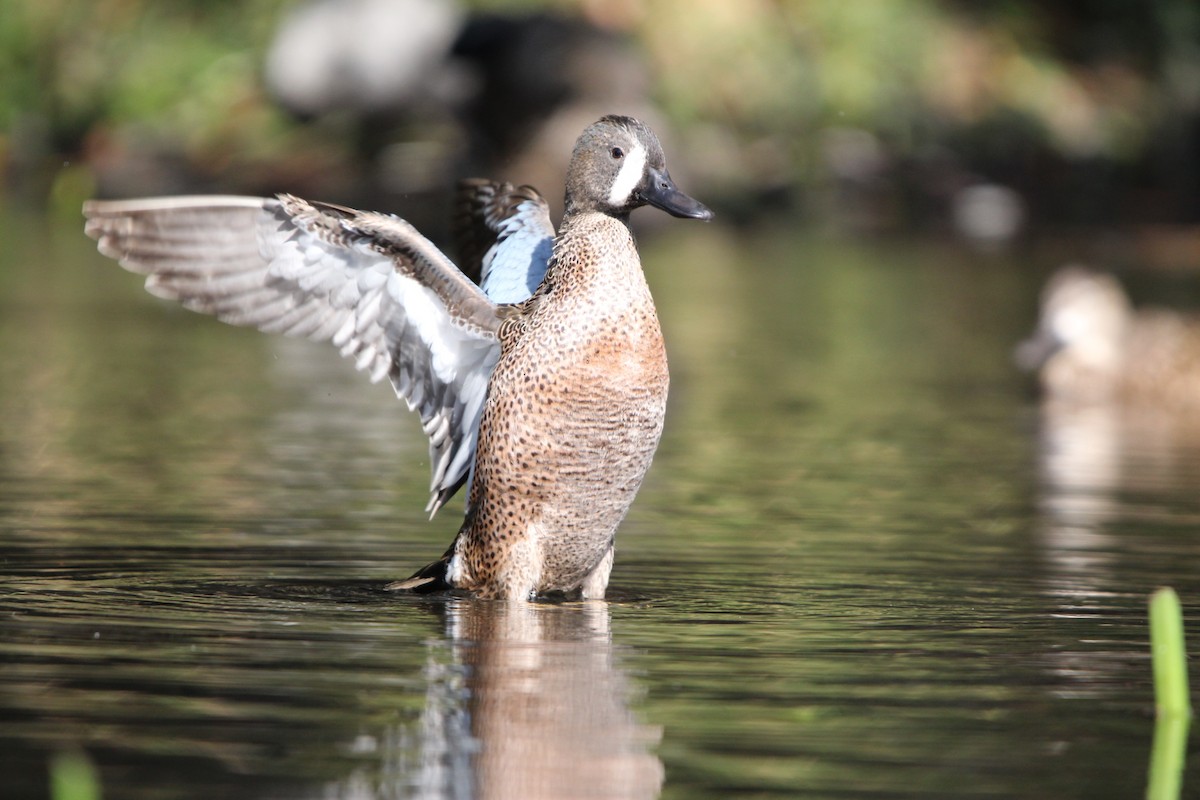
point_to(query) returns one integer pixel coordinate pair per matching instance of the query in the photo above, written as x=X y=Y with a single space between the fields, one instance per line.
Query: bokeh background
x=989 y=120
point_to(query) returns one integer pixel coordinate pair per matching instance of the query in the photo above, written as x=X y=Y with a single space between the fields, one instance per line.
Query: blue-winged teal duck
x=1091 y=346
x=551 y=407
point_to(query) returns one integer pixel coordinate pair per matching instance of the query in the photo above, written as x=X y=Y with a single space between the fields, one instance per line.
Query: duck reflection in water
x=531 y=703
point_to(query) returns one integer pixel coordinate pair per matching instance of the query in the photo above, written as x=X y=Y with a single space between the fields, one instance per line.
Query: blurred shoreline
x=996 y=127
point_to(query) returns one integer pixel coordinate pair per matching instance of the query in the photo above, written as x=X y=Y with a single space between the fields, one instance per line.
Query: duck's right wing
x=504 y=237
x=368 y=283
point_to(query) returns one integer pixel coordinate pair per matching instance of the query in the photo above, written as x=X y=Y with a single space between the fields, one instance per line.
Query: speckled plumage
x=572 y=420
x=557 y=401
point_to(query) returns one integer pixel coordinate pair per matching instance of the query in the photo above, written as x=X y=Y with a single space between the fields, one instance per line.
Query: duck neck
x=594 y=249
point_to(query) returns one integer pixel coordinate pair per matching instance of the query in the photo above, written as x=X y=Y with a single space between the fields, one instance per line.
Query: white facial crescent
x=629 y=177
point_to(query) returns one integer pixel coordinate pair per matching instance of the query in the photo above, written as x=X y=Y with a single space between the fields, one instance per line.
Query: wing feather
x=504 y=236
x=368 y=283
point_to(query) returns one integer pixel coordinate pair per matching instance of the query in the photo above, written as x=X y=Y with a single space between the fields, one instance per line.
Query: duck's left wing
x=369 y=283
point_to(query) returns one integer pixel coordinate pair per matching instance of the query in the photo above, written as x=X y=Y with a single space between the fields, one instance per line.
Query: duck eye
x=617 y=152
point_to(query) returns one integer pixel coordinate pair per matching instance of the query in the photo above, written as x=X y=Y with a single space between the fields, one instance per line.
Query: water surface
x=865 y=563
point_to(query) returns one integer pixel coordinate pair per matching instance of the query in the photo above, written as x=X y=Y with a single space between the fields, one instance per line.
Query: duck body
x=551 y=408
x=574 y=414
x=1092 y=347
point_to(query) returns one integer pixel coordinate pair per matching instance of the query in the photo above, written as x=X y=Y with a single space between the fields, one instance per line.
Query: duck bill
x=660 y=191
x=1033 y=353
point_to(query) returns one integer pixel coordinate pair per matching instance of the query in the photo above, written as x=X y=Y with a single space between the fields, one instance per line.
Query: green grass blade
x=1167 y=757
x=1168 y=654
x=72 y=777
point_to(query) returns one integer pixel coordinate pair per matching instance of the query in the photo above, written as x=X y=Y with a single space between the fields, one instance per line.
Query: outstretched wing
x=382 y=293
x=504 y=237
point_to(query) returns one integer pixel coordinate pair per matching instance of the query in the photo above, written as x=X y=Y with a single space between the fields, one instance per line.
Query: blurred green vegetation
x=67 y=67
x=81 y=81
x=1018 y=90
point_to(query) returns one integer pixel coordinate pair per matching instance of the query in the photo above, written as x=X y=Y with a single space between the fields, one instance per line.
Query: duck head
x=1084 y=318
x=618 y=165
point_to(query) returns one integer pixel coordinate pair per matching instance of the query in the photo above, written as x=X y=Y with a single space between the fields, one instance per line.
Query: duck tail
x=428 y=579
